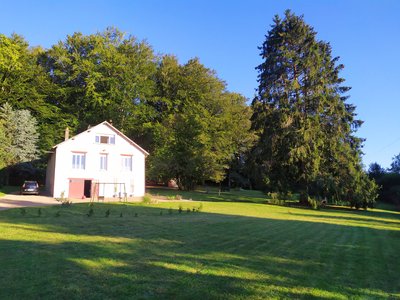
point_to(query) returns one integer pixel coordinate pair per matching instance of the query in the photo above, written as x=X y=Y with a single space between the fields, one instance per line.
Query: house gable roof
x=112 y=128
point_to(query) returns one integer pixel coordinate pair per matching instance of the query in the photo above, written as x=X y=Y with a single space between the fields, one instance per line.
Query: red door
x=76 y=188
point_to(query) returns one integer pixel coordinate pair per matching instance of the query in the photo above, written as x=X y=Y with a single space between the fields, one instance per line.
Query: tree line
x=388 y=180
x=297 y=135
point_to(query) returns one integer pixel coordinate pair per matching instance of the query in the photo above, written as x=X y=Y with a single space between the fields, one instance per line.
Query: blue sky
x=225 y=36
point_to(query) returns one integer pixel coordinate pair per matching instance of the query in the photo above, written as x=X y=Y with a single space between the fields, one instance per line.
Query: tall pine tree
x=305 y=127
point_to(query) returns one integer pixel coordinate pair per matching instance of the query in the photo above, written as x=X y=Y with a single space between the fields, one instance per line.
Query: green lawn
x=211 y=194
x=228 y=250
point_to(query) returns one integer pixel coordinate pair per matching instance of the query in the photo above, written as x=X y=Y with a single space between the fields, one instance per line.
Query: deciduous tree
x=201 y=125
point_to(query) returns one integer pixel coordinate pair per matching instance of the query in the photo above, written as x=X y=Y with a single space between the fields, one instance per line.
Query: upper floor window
x=78 y=161
x=103 y=161
x=105 y=139
x=126 y=162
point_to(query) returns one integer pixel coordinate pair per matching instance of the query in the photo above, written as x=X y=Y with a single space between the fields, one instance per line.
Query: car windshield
x=30 y=185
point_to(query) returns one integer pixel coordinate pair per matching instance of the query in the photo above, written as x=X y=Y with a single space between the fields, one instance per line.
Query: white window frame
x=126 y=163
x=110 y=139
x=103 y=161
x=78 y=160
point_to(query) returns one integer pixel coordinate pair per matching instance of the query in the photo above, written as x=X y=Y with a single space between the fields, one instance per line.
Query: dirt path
x=12 y=201
x=15 y=200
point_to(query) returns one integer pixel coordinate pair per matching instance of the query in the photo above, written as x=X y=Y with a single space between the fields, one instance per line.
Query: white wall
x=85 y=142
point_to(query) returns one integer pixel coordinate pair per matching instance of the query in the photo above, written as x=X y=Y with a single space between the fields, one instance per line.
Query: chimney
x=66 y=137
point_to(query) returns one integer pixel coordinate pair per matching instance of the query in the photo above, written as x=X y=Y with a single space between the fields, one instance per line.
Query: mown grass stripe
x=228 y=251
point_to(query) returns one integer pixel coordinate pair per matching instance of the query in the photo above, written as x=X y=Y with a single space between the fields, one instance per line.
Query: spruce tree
x=305 y=126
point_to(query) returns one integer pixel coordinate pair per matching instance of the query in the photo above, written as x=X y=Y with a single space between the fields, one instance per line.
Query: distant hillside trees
x=395 y=165
x=305 y=126
x=387 y=180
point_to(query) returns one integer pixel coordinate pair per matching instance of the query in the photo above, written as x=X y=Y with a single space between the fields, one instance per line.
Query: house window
x=78 y=161
x=105 y=139
x=103 y=161
x=126 y=162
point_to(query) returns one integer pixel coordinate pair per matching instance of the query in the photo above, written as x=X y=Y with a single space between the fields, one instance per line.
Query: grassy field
x=227 y=251
x=211 y=194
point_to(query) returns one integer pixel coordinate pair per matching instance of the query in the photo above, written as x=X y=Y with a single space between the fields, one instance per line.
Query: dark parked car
x=30 y=187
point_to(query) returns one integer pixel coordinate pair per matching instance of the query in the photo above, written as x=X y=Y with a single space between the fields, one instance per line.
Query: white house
x=99 y=162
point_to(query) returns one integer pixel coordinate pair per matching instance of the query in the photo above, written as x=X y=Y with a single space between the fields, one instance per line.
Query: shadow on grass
x=375 y=218
x=152 y=252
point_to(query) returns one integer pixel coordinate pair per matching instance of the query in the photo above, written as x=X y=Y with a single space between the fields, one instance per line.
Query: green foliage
x=65 y=202
x=388 y=181
x=26 y=85
x=5 y=143
x=20 y=129
x=183 y=114
x=202 y=126
x=104 y=76
x=147 y=199
x=312 y=203
x=304 y=124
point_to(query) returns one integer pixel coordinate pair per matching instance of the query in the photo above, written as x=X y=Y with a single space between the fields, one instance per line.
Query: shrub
x=200 y=208
x=178 y=197
x=312 y=203
x=64 y=201
x=272 y=196
x=180 y=209
x=146 y=199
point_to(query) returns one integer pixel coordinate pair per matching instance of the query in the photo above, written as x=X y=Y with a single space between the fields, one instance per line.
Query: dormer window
x=105 y=139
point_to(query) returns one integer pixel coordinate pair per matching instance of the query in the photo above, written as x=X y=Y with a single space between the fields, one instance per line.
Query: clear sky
x=225 y=36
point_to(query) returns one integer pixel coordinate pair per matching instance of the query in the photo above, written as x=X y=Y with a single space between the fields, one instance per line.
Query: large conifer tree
x=306 y=128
